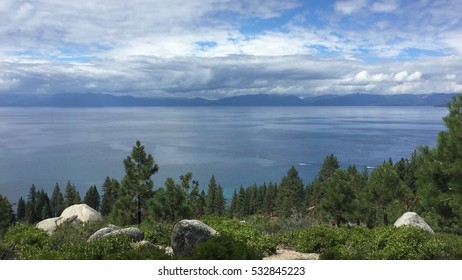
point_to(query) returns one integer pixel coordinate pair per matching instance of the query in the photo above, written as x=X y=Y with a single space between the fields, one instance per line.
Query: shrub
x=225 y=247
x=6 y=252
x=316 y=239
x=68 y=232
x=28 y=242
x=244 y=233
x=157 y=233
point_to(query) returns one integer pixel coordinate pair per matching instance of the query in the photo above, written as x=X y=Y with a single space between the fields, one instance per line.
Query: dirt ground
x=286 y=254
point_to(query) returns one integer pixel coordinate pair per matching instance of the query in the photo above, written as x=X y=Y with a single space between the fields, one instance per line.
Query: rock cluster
x=186 y=235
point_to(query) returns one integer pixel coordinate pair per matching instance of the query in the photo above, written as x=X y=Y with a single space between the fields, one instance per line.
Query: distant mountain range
x=108 y=100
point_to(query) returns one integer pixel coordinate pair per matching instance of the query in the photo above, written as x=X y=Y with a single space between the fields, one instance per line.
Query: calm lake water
x=239 y=145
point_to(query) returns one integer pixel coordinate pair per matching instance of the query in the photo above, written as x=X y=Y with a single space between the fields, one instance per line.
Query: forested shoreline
x=428 y=183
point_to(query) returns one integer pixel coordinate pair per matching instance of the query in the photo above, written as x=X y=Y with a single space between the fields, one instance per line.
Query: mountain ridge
x=109 y=100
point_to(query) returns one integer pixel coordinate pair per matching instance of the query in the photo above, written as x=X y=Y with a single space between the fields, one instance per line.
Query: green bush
x=316 y=239
x=244 y=233
x=7 y=252
x=157 y=233
x=28 y=242
x=102 y=249
x=68 y=232
x=225 y=247
x=387 y=243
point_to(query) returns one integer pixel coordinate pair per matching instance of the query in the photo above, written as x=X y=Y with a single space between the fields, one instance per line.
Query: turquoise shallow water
x=239 y=145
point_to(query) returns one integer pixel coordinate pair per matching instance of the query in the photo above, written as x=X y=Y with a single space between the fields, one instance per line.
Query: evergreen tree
x=439 y=183
x=42 y=207
x=242 y=204
x=232 y=210
x=270 y=199
x=337 y=202
x=110 y=190
x=170 y=203
x=21 y=209
x=328 y=167
x=314 y=192
x=219 y=201
x=291 y=193
x=6 y=215
x=31 y=205
x=137 y=185
x=71 y=195
x=195 y=200
x=57 y=203
x=215 y=199
x=92 y=198
x=387 y=195
x=210 y=198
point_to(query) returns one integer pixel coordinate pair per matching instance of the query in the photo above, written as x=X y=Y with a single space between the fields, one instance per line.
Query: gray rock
x=144 y=244
x=133 y=233
x=83 y=212
x=413 y=219
x=49 y=225
x=75 y=214
x=102 y=232
x=187 y=234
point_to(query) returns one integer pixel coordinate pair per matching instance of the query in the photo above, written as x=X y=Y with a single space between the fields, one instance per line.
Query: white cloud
x=404 y=76
x=349 y=7
x=384 y=6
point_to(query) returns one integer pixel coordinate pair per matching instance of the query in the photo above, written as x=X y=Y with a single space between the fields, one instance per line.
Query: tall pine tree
x=71 y=195
x=110 y=189
x=92 y=198
x=31 y=205
x=291 y=194
x=57 y=203
x=136 y=187
x=6 y=215
x=21 y=209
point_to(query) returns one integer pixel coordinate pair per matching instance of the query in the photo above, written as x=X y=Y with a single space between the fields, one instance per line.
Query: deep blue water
x=239 y=145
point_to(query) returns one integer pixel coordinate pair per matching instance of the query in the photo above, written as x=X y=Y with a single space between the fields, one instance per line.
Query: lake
x=239 y=145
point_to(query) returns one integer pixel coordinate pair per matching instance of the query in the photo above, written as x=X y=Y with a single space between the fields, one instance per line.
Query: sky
x=221 y=48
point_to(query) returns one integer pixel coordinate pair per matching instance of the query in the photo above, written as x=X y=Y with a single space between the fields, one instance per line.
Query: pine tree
x=71 y=195
x=219 y=201
x=6 y=215
x=339 y=197
x=110 y=189
x=194 y=200
x=291 y=194
x=42 y=207
x=92 y=198
x=210 y=198
x=314 y=192
x=328 y=167
x=387 y=195
x=170 y=203
x=21 y=209
x=439 y=182
x=31 y=205
x=270 y=199
x=232 y=210
x=137 y=185
x=57 y=203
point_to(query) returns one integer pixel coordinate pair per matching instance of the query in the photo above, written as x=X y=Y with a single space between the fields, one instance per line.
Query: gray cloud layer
x=208 y=48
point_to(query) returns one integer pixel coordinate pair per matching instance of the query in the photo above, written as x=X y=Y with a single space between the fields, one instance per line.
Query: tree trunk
x=138 y=211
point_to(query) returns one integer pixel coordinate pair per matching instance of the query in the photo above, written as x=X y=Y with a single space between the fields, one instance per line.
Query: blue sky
x=218 y=48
